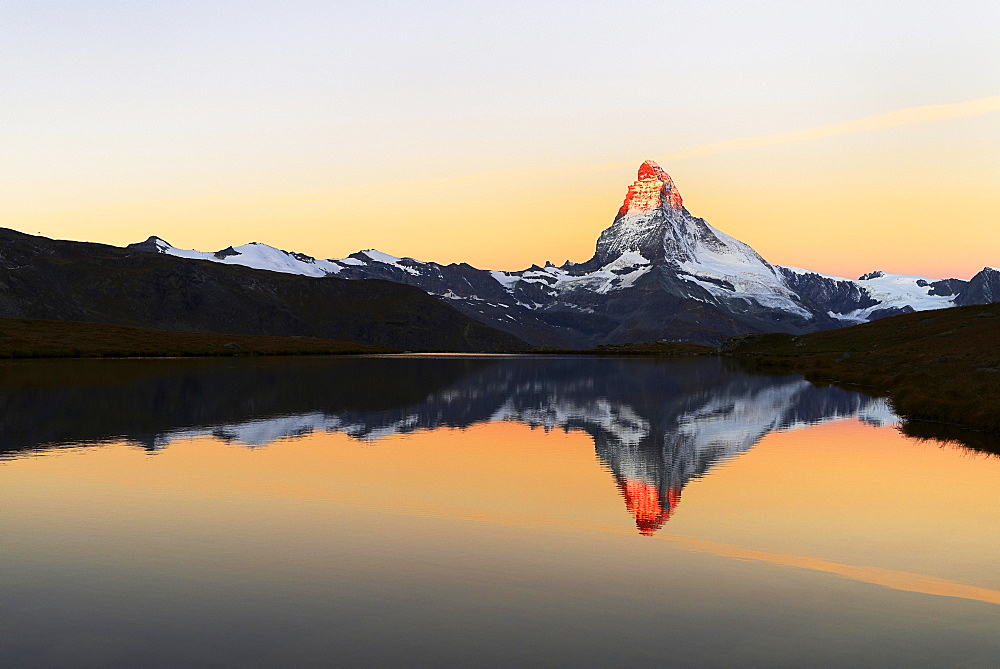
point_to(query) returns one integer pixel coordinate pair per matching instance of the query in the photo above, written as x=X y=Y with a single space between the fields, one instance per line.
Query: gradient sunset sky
x=838 y=136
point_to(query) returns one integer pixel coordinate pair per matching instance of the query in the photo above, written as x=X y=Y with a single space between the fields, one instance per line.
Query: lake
x=481 y=510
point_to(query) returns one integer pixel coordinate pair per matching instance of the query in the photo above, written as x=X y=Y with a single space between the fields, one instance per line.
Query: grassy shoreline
x=938 y=367
x=36 y=338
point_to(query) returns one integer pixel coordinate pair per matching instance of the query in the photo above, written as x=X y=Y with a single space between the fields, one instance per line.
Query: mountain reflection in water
x=656 y=424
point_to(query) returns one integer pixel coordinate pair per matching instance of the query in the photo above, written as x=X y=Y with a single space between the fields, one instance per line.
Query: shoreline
x=38 y=339
x=937 y=368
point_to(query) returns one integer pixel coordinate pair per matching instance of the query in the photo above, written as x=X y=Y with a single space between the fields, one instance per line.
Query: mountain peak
x=153 y=244
x=652 y=189
x=650 y=169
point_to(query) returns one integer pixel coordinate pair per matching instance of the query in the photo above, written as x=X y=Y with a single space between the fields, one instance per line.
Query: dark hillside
x=33 y=338
x=42 y=278
x=939 y=366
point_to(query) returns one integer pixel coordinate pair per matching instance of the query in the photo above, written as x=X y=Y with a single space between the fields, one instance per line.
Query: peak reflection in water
x=656 y=424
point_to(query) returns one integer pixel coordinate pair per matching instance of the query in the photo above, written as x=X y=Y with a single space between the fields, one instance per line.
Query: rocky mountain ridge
x=76 y=281
x=657 y=272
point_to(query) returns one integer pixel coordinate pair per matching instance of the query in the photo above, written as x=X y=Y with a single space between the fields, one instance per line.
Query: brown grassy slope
x=34 y=338
x=934 y=365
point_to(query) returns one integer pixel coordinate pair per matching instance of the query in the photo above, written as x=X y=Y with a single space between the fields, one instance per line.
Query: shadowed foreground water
x=482 y=510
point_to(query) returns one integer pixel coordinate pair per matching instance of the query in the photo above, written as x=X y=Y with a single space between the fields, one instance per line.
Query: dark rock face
x=983 y=288
x=43 y=278
x=828 y=294
x=947 y=287
x=224 y=253
x=475 y=293
x=153 y=244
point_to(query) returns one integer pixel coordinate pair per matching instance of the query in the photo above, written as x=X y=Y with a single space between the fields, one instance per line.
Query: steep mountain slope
x=983 y=288
x=653 y=228
x=57 y=280
x=657 y=272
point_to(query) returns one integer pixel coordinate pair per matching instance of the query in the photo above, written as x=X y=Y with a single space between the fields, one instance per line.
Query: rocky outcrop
x=983 y=288
x=828 y=293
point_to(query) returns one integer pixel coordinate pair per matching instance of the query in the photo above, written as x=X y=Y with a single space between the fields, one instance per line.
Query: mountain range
x=77 y=281
x=657 y=272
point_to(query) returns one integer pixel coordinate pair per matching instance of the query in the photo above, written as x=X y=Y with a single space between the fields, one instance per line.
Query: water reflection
x=656 y=425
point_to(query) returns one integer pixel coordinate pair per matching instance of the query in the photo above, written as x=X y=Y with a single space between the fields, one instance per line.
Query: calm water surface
x=482 y=511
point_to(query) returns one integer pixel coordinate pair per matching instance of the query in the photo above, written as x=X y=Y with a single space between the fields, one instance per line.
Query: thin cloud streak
x=893 y=119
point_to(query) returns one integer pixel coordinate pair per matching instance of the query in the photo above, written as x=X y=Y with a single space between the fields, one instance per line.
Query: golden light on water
x=813 y=499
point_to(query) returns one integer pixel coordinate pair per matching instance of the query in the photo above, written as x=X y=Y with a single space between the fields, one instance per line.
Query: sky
x=841 y=137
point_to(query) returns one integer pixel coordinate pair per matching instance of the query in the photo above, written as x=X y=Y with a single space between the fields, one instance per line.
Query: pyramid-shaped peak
x=650 y=507
x=650 y=170
x=652 y=189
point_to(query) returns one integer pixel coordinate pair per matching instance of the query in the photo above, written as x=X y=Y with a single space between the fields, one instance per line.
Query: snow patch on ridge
x=890 y=291
x=732 y=269
x=505 y=279
x=261 y=256
x=901 y=290
x=387 y=259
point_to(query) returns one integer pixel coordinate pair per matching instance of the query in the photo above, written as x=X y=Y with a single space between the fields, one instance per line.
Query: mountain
x=983 y=288
x=656 y=425
x=76 y=281
x=657 y=272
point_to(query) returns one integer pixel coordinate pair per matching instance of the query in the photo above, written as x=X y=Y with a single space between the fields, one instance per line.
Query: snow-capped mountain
x=254 y=254
x=873 y=295
x=658 y=272
x=653 y=228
